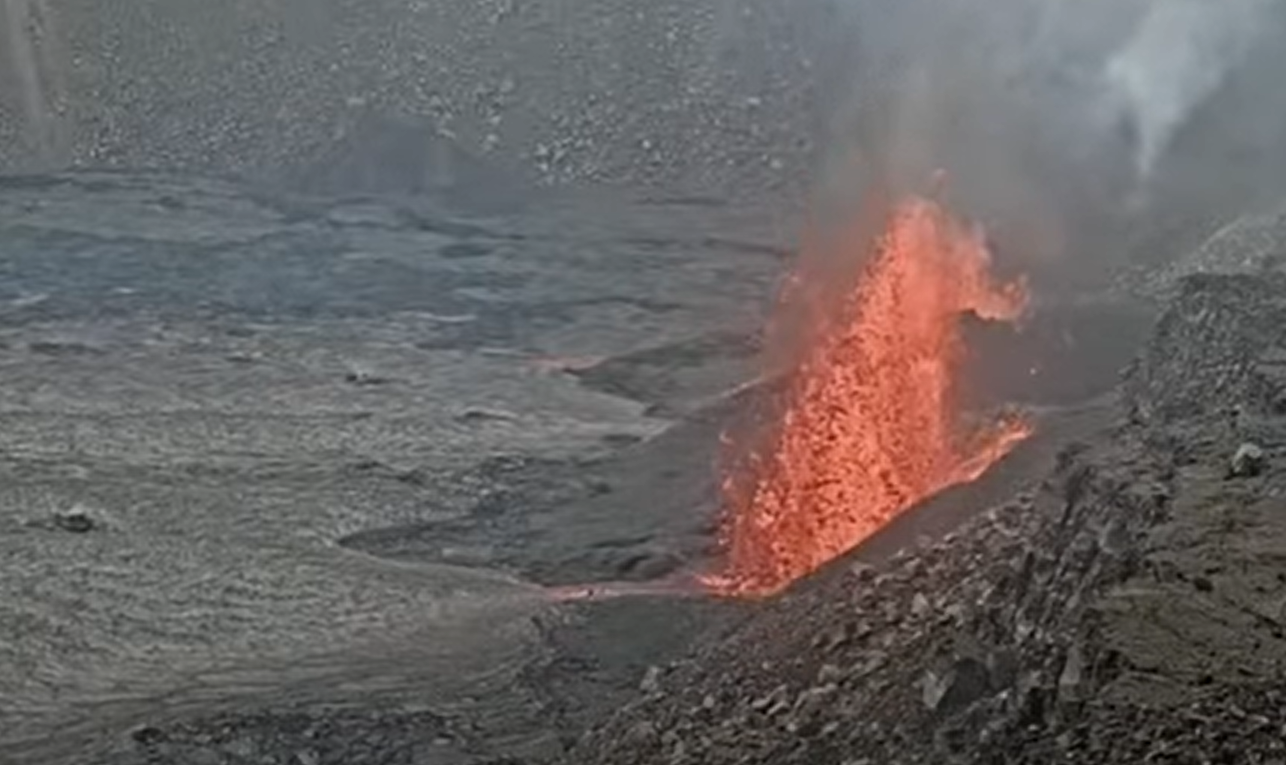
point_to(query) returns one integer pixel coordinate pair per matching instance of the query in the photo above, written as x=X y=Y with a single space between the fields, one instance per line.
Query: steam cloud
x=1079 y=130
x=1179 y=56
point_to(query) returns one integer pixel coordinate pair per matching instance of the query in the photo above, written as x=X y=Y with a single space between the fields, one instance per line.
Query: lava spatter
x=871 y=422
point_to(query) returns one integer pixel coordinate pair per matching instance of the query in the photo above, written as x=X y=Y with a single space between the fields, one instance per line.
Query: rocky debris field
x=707 y=96
x=1250 y=244
x=294 y=480
x=1126 y=608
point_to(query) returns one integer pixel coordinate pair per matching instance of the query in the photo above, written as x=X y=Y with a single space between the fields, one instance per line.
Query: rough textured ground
x=286 y=479
x=291 y=480
x=706 y=95
x=296 y=480
x=208 y=399
x=1126 y=609
x=1249 y=244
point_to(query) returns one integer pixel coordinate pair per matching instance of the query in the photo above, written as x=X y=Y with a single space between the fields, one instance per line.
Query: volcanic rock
x=484 y=414
x=1214 y=350
x=829 y=674
x=651 y=682
x=1249 y=460
x=1060 y=629
x=76 y=520
x=1249 y=245
x=960 y=685
x=360 y=98
x=364 y=376
x=1071 y=679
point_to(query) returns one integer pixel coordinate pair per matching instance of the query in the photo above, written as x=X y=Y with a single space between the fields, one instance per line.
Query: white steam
x=1178 y=56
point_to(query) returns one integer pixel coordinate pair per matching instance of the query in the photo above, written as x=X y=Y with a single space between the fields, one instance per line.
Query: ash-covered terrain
x=365 y=368
x=297 y=479
x=709 y=97
x=268 y=450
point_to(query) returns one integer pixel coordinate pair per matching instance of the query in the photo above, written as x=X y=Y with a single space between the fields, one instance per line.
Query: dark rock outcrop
x=1216 y=352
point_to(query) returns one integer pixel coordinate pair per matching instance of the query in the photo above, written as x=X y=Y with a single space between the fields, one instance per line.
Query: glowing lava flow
x=870 y=424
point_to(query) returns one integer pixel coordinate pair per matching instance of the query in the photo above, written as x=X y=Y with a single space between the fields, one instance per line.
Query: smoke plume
x=1179 y=56
x=1068 y=127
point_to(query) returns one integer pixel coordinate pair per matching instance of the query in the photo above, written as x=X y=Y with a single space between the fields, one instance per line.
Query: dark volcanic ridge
x=1128 y=609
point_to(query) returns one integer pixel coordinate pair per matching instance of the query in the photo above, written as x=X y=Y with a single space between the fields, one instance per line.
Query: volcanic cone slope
x=1250 y=244
x=1130 y=608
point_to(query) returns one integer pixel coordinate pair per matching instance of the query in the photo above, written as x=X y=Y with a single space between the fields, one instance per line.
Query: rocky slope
x=1127 y=609
x=706 y=94
x=708 y=99
x=1249 y=244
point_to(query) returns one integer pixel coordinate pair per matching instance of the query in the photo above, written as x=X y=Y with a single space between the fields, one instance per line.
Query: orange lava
x=870 y=423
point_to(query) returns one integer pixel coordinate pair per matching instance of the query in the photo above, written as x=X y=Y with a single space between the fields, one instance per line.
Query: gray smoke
x=1075 y=129
x=1180 y=54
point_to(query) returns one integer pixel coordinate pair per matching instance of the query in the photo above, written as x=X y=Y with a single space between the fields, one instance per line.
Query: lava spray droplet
x=871 y=422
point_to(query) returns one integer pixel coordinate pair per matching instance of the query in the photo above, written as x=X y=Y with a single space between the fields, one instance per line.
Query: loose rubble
x=1250 y=244
x=1108 y=617
x=852 y=646
x=308 y=737
x=1248 y=462
x=76 y=520
x=696 y=96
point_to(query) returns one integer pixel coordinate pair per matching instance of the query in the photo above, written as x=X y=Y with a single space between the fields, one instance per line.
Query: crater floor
x=293 y=480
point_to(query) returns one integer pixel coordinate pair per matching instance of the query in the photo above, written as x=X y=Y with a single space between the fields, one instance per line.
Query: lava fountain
x=870 y=423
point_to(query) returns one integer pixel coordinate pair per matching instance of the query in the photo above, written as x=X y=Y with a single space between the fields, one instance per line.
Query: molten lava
x=870 y=424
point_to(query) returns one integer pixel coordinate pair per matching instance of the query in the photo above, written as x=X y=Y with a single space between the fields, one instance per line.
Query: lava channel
x=870 y=422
